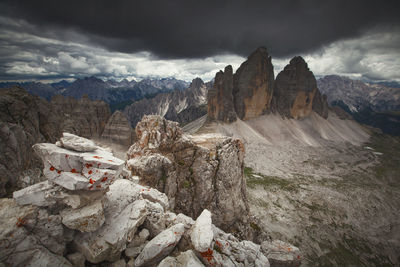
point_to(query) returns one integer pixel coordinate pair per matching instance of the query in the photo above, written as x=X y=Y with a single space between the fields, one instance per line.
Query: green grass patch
x=255 y=180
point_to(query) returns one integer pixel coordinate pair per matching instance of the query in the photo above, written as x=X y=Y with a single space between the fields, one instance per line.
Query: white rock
x=202 y=232
x=155 y=196
x=119 y=228
x=69 y=180
x=59 y=158
x=77 y=143
x=155 y=219
x=161 y=245
x=189 y=259
x=186 y=220
x=86 y=219
x=35 y=195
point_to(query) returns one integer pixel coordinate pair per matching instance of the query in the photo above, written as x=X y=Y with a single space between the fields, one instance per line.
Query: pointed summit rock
x=220 y=97
x=295 y=88
x=253 y=85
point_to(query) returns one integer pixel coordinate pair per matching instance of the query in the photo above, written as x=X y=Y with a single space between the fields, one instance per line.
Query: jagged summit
x=253 y=91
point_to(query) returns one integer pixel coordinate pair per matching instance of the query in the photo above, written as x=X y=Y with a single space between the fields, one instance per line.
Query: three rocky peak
x=253 y=91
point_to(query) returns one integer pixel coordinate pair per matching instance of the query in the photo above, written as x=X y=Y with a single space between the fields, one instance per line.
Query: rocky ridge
x=179 y=105
x=90 y=218
x=252 y=91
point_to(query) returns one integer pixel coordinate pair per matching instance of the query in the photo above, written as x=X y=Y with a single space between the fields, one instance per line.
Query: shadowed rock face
x=295 y=88
x=220 y=97
x=83 y=117
x=253 y=85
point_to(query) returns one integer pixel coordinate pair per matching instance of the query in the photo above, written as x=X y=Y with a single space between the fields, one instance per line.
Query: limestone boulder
x=160 y=246
x=281 y=253
x=77 y=143
x=202 y=233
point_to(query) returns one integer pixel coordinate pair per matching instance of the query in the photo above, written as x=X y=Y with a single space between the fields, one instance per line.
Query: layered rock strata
x=118 y=224
x=118 y=129
x=82 y=117
x=195 y=173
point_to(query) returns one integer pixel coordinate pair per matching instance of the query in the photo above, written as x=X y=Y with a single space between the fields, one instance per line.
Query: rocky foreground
x=91 y=210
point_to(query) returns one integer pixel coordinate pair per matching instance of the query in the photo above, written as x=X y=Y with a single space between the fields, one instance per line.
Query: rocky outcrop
x=118 y=224
x=83 y=117
x=171 y=105
x=253 y=85
x=24 y=121
x=118 y=129
x=295 y=88
x=195 y=173
x=220 y=97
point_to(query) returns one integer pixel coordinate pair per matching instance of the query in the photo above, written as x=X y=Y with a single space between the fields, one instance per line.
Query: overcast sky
x=187 y=39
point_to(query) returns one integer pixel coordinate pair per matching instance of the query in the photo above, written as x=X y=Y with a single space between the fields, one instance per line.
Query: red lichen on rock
x=88 y=165
x=98 y=186
x=59 y=172
x=97 y=157
x=208 y=255
x=90 y=172
x=20 y=222
x=66 y=156
x=73 y=171
x=52 y=168
x=91 y=181
x=104 y=179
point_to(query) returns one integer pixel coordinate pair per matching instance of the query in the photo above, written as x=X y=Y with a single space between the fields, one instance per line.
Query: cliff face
x=295 y=88
x=254 y=92
x=253 y=85
x=26 y=120
x=82 y=117
x=220 y=97
x=118 y=129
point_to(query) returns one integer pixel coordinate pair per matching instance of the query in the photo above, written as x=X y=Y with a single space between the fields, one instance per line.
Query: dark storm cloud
x=196 y=29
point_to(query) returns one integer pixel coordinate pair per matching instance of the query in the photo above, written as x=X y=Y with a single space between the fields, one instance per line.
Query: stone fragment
x=160 y=246
x=132 y=252
x=154 y=195
x=77 y=143
x=35 y=195
x=189 y=259
x=86 y=219
x=77 y=259
x=281 y=253
x=139 y=239
x=169 y=262
x=124 y=213
x=119 y=263
x=202 y=233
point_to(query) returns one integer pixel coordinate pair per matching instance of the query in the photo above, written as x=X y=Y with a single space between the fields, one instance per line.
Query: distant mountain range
x=375 y=104
x=111 y=91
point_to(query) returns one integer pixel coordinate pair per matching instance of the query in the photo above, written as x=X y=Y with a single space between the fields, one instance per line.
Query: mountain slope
x=180 y=105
